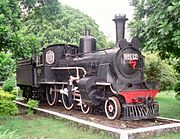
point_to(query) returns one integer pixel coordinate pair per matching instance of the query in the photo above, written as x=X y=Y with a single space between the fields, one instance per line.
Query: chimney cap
x=119 y=17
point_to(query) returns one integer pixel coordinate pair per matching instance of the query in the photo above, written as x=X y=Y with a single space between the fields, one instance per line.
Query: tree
x=55 y=23
x=30 y=5
x=13 y=39
x=156 y=22
x=9 y=24
x=7 y=66
x=28 y=25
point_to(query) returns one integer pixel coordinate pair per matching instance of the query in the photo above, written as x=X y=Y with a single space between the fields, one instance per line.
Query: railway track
x=117 y=128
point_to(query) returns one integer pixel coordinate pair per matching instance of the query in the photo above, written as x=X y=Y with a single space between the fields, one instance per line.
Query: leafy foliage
x=28 y=25
x=17 y=91
x=7 y=66
x=159 y=70
x=55 y=23
x=156 y=22
x=177 y=90
x=177 y=87
x=177 y=96
x=7 y=107
x=12 y=38
x=6 y=96
x=9 y=84
x=9 y=24
x=33 y=4
x=32 y=104
x=27 y=45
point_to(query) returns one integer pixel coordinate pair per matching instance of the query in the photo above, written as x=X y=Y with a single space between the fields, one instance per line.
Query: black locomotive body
x=110 y=79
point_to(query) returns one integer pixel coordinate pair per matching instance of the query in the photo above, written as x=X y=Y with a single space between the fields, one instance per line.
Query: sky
x=103 y=11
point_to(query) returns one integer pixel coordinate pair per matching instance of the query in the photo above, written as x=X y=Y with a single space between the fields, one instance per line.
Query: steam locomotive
x=110 y=79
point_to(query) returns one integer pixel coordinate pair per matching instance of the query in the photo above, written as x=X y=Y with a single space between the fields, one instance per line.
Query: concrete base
x=139 y=133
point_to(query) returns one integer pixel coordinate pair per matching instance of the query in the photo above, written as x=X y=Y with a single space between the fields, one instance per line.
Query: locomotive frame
x=110 y=79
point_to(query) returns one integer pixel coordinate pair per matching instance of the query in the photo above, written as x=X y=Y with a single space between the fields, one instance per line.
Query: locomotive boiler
x=111 y=80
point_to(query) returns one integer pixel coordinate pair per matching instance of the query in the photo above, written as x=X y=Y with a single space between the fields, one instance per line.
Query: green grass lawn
x=168 y=136
x=169 y=106
x=45 y=128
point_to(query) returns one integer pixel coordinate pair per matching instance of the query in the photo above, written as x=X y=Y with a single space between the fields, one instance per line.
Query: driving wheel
x=51 y=95
x=67 y=104
x=86 y=108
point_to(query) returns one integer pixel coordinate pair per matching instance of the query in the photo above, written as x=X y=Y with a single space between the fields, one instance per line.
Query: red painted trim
x=132 y=96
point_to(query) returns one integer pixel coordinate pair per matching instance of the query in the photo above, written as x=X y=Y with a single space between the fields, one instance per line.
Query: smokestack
x=120 y=26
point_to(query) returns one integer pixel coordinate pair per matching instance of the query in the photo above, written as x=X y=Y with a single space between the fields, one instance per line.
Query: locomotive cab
x=50 y=58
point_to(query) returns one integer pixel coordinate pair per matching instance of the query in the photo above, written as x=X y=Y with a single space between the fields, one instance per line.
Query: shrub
x=15 y=91
x=159 y=70
x=7 y=66
x=32 y=104
x=7 y=96
x=8 y=85
x=177 y=96
x=8 y=107
x=177 y=87
x=10 y=95
x=177 y=90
